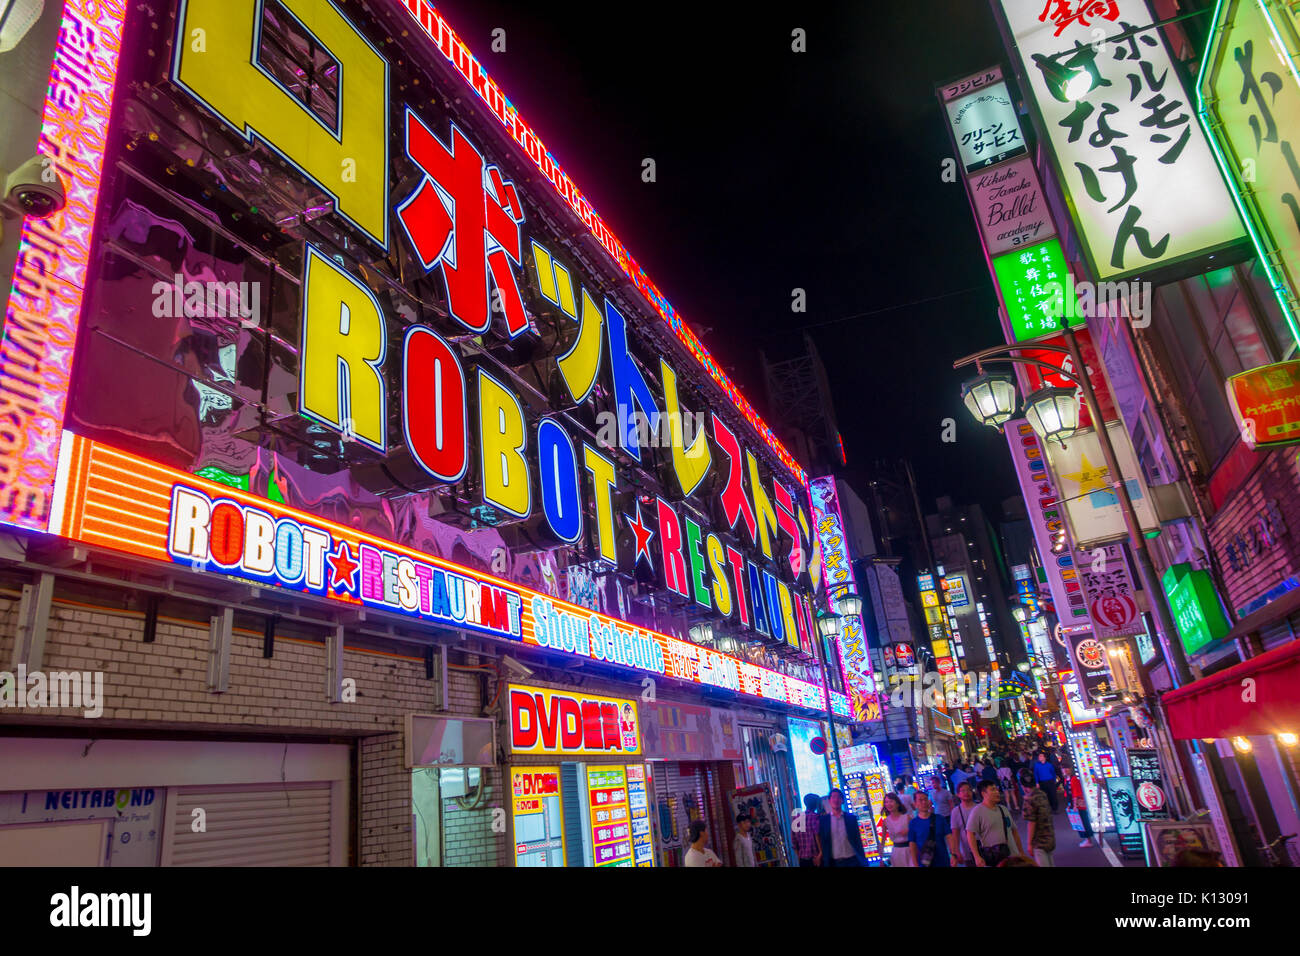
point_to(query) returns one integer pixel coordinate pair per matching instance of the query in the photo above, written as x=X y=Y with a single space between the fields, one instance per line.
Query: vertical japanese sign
x=1047 y=519
x=1089 y=658
x=985 y=125
x=837 y=574
x=1108 y=587
x=1148 y=784
x=1143 y=184
x=44 y=306
x=643 y=849
x=537 y=815
x=1249 y=104
x=1034 y=283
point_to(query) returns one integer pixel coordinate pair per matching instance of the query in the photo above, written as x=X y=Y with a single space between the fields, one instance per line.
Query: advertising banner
x=537 y=816
x=676 y=731
x=1036 y=286
x=546 y=721
x=1123 y=807
x=1091 y=505
x=170 y=516
x=1265 y=402
x=985 y=127
x=1148 y=784
x=767 y=831
x=1139 y=176
x=643 y=850
x=1091 y=664
x=1112 y=598
x=1010 y=207
x=1047 y=519
x=838 y=578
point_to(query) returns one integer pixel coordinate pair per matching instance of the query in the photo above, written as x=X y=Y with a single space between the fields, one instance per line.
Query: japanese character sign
x=1143 y=183
x=1252 y=109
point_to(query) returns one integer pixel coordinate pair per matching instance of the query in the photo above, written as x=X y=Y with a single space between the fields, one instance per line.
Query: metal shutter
x=572 y=795
x=274 y=825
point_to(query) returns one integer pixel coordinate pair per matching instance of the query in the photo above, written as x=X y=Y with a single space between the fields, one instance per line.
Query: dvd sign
x=544 y=721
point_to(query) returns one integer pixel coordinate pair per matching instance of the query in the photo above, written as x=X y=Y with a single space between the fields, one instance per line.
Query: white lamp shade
x=849 y=604
x=991 y=398
x=829 y=625
x=1053 y=413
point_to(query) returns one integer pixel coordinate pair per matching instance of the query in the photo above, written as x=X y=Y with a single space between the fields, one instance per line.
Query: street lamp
x=1064 y=83
x=1053 y=413
x=828 y=622
x=991 y=398
x=849 y=604
x=1173 y=651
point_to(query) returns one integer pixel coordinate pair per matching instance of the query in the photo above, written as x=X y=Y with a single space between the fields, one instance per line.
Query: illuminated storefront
x=311 y=369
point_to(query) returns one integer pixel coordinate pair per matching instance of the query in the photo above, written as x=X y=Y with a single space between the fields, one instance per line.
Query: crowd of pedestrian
x=957 y=817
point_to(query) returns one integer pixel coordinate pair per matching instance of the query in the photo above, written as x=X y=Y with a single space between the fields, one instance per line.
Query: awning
x=1225 y=705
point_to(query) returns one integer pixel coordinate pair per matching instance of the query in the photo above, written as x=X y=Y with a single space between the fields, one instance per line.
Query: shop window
x=293 y=57
x=1273 y=318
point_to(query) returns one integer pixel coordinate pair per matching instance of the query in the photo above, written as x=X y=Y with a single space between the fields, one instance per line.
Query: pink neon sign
x=40 y=327
x=457 y=53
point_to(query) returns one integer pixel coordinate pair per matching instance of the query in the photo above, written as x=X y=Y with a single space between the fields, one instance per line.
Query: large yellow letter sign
x=344 y=340
x=217 y=63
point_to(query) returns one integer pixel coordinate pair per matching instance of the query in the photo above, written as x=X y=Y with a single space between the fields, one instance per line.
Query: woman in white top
x=897 y=820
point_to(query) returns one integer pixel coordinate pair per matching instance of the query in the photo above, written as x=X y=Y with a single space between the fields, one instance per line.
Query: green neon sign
x=1248 y=82
x=1035 y=285
x=1195 y=606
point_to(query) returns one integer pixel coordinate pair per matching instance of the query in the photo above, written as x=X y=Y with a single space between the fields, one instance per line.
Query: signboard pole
x=1155 y=593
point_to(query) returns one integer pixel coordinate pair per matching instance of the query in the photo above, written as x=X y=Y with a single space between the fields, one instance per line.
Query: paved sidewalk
x=1068 y=851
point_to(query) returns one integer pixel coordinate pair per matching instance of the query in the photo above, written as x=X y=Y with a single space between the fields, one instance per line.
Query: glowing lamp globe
x=1053 y=413
x=991 y=398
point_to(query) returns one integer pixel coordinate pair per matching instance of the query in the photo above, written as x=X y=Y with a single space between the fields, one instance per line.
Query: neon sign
x=837 y=569
x=112 y=499
x=544 y=721
x=40 y=328
x=467 y=65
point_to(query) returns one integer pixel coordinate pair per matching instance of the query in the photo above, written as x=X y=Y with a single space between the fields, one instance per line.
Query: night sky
x=777 y=170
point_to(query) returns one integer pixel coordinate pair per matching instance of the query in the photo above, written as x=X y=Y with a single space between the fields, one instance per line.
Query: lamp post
x=828 y=625
x=1053 y=419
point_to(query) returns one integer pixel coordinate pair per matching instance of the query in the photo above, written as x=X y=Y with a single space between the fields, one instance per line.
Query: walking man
x=941 y=796
x=1046 y=774
x=742 y=848
x=841 y=839
x=1038 y=814
x=957 y=820
x=989 y=831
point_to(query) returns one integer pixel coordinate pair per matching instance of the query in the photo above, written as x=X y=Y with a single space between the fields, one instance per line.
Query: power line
x=894 y=308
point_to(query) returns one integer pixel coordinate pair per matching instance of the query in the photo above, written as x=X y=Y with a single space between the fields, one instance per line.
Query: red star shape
x=343 y=570
x=643 y=535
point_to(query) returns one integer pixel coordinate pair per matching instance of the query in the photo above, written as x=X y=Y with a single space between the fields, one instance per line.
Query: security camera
x=515 y=669
x=34 y=189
